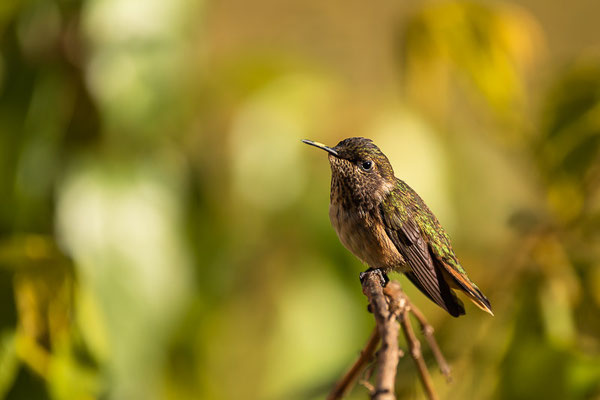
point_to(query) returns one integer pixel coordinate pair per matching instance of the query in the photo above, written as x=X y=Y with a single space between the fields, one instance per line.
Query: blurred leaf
x=121 y=221
x=9 y=363
x=557 y=313
x=571 y=122
x=575 y=94
x=7 y=10
x=275 y=118
x=584 y=377
x=565 y=198
x=20 y=251
x=69 y=379
x=489 y=44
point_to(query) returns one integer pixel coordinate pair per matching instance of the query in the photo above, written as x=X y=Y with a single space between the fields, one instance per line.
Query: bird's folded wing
x=408 y=239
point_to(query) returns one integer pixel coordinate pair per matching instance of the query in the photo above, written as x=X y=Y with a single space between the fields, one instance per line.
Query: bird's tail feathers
x=469 y=288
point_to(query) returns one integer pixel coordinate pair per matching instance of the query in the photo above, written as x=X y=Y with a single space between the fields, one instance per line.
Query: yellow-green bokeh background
x=164 y=233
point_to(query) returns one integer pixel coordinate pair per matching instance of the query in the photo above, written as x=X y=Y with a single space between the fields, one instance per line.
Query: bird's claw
x=382 y=276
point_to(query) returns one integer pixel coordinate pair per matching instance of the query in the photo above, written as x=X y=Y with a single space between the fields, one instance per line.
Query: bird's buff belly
x=366 y=239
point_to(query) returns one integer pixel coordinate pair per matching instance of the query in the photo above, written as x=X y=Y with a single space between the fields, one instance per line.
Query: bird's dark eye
x=366 y=165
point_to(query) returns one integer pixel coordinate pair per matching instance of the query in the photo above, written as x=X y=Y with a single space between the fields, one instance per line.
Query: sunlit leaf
x=490 y=45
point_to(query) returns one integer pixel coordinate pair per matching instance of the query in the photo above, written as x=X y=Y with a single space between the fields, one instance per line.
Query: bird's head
x=359 y=165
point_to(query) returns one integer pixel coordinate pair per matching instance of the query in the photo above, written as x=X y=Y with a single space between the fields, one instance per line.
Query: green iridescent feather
x=409 y=205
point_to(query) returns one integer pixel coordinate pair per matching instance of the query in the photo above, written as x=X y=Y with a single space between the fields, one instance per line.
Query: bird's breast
x=364 y=235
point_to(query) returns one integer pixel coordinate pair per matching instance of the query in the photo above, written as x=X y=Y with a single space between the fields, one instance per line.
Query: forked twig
x=389 y=305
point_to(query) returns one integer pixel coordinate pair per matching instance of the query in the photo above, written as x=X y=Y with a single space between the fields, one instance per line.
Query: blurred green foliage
x=164 y=233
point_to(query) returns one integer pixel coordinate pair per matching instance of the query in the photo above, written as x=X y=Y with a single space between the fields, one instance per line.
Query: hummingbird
x=387 y=225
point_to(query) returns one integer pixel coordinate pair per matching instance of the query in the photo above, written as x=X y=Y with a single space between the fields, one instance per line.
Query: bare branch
x=428 y=331
x=347 y=381
x=389 y=304
x=414 y=347
x=387 y=358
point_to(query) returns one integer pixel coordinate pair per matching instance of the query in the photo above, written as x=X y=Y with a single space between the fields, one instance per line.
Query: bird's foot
x=382 y=276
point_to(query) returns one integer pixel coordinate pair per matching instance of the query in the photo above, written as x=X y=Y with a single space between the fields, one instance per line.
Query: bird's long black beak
x=322 y=146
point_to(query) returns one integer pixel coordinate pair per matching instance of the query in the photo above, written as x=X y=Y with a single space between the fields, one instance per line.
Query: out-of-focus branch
x=390 y=305
x=344 y=385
